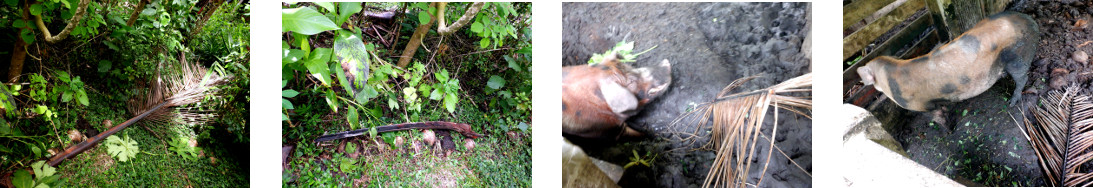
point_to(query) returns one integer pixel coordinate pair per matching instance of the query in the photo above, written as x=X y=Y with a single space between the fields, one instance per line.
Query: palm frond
x=1063 y=137
x=173 y=88
x=736 y=121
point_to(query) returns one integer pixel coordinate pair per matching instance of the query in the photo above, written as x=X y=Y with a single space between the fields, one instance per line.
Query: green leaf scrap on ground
x=623 y=48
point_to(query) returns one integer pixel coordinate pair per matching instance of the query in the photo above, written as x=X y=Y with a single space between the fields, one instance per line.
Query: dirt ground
x=985 y=146
x=709 y=46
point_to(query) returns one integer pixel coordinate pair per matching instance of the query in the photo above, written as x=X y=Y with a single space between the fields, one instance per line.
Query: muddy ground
x=985 y=145
x=709 y=46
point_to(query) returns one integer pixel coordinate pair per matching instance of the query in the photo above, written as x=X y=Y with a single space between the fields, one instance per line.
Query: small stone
x=469 y=144
x=193 y=143
x=429 y=137
x=1058 y=82
x=1080 y=56
x=75 y=136
x=107 y=124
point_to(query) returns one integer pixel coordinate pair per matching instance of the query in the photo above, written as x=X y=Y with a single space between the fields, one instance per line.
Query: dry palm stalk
x=737 y=119
x=173 y=87
x=1063 y=137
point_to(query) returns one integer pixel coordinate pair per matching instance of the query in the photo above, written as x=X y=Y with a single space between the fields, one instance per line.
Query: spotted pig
x=961 y=69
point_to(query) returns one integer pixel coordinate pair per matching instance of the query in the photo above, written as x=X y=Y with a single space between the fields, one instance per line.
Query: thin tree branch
x=80 y=12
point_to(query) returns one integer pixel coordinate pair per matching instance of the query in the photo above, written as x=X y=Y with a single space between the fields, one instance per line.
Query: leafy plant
x=494 y=26
x=285 y=104
x=123 y=149
x=44 y=176
x=447 y=89
x=71 y=88
x=181 y=146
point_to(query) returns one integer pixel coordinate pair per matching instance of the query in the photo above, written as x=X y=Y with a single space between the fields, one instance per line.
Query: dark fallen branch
x=457 y=127
x=175 y=86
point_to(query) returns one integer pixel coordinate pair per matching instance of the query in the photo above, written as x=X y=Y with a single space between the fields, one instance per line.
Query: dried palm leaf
x=1063 y=137
x=736 y=121
x=174 y=88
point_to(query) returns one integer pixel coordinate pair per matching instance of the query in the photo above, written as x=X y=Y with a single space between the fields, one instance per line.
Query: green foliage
x=123 y=149
x=70 y=88
x=7 y=99
x=181 y=146
x=623 y=48
x=44 y=176
x=285 y=104
x=347 y=165
x=493 y=23
x=305 y=20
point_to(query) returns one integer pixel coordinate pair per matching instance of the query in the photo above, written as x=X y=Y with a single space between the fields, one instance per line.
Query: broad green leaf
x=442 y=76
x=104 y=65
x=286 y=104
x=123 y=149
x=370 y=92
x=409 y=94
x=332 y=100
x=317 y=65
x=423 y=17
x=41 y=170
x=496 y=82
x=329 y=6
x=522 y=126
x=63 y=76
x=476 y=27
x=292 y=56
x=351 y=52
x=352 y=118
x=67 y=5
x=484 y=43
x=82 y=97
x=425 y=88
x=512 y=64
x=305 y=20
x=36 y=9
x=450 y=101
x=22 y=179
x=148 y=11
x=347 y=9
x=288 y=93
x=67 y=96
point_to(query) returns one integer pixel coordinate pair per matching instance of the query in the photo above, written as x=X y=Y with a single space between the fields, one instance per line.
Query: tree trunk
x=415 y=40
x=19 y=52
x=136 y=12
x=206 y=13
x=18 y=55
x=442 y=29
x=80 y=12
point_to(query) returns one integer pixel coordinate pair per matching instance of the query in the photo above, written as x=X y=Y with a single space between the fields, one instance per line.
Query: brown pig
x=597 y=99
x=961 y=69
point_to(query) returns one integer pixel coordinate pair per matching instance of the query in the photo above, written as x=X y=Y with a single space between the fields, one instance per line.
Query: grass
x=498 y=160
x=155 y=165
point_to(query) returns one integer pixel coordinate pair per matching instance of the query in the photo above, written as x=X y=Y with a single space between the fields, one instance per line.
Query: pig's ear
x=866 y=74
